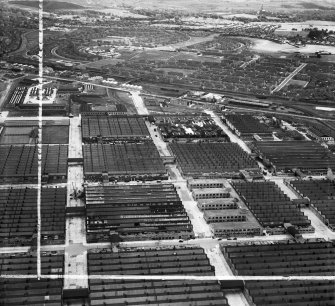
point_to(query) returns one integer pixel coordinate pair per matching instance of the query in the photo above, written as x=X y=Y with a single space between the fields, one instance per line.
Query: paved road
x=54 y=53
x=254 y=59
x=75 y=238
x=233 y=138
x=289 y=78
x=158 y=140
x=231 y=135
x=139 y=103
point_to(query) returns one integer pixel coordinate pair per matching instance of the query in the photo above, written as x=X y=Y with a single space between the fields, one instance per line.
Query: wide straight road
x=139 y=103
x=233 y=138
x=289 y=78
x=75 y=252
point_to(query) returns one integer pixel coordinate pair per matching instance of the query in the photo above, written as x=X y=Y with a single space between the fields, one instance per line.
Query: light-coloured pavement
x=158 y=140
x=253 y=60
x=200 y=226
x=75 y=144
x=3 y=116
x=292 y=128
x=75 y=252
x=236 y=299
x=289 y=78
x=321 y=230
x=74 y=264
x=233 y=138
x=287 y=190
x=139 y=104
x=206 y=243
x=217 y=260
x=76 y=231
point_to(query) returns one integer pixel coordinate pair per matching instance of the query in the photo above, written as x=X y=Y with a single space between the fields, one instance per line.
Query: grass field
x=193 y=56
x=51 y=134
x=14 y=139
x=58 y=134
x=103 y=63
x=153 y=55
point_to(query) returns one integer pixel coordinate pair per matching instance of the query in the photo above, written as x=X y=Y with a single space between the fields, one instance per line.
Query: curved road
x=54 y=53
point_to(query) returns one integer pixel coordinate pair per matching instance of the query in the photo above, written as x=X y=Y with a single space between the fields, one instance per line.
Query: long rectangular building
x=203 y=183
x=307 y=156
x=216 y=159
x=114 y=128
x=136 y=212
x=307 y=259
x=23 y=291
x=167 y=261
x=123 y=162
x=19 y=164
x=18 y=219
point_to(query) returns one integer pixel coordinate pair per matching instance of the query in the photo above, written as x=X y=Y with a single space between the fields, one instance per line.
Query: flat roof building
x=204 y=183
x=227 y=215
x=209 y=193
x=225 y=229
x=215 y=204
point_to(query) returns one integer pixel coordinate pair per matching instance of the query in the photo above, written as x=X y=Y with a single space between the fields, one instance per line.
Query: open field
x=55 y=134
x=287 y=26
x=51 y=134
x=103 y=63
x=192 y=56
x=161 y=56
x=263 y=45
x=153 y=55
x=191 y=41
x=14 y=139
x=217 y=6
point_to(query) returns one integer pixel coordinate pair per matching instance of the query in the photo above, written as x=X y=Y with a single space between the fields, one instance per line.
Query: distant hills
x=222 y=6
x=49 y=5
x=213 y=5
